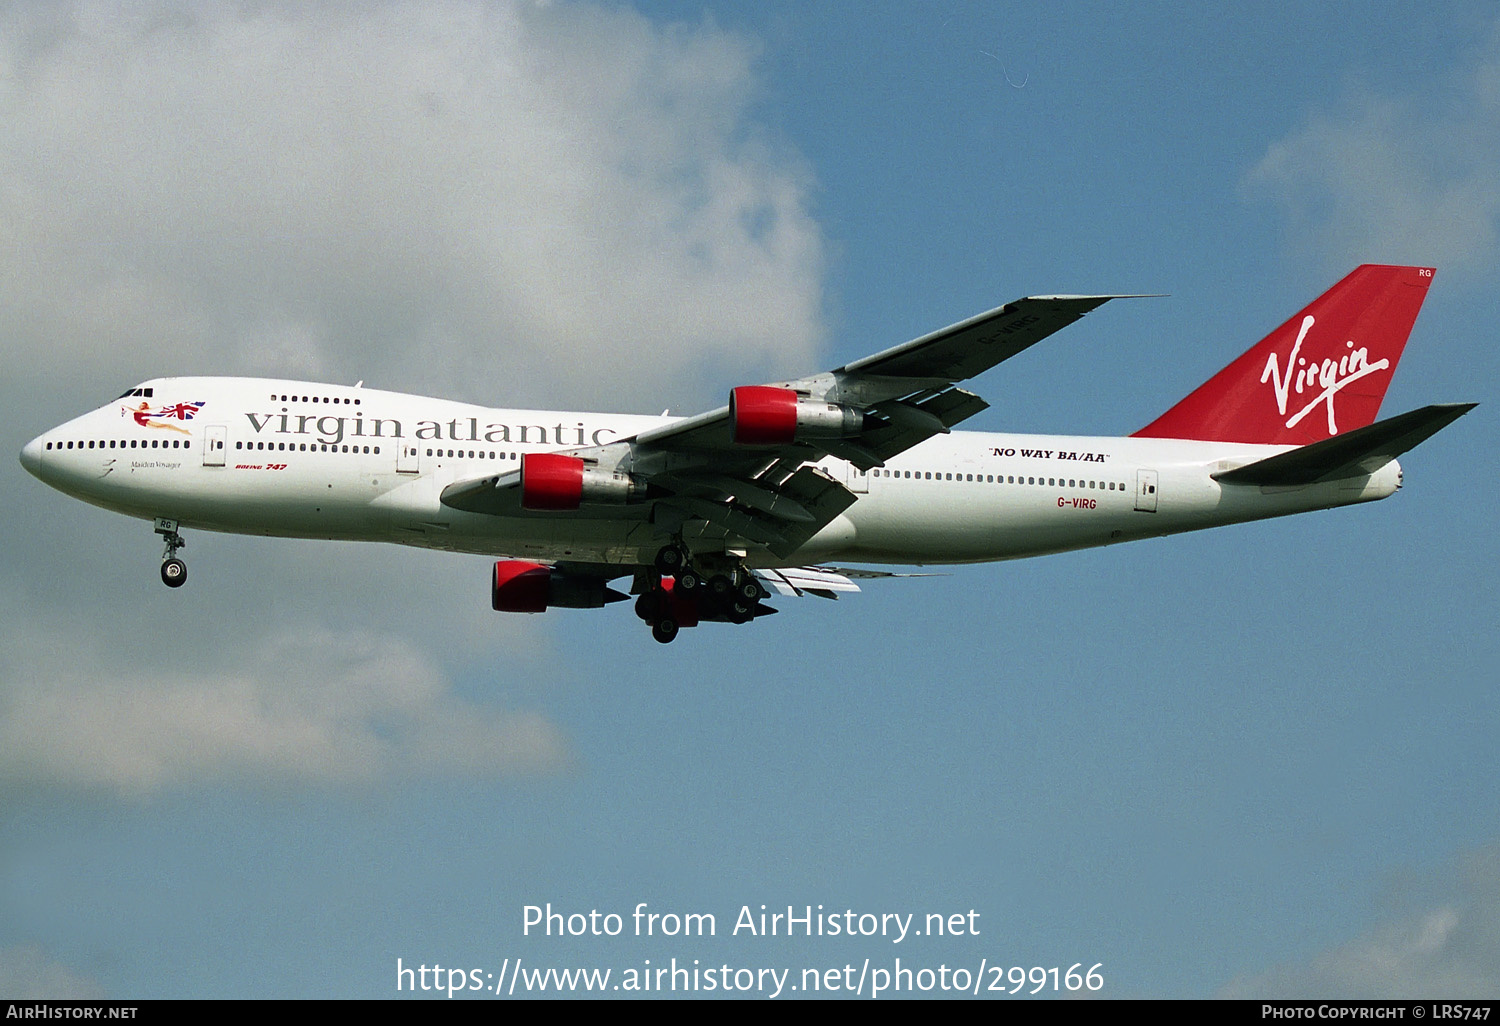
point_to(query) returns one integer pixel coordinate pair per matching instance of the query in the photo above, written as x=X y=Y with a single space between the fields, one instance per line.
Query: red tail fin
x=1322 y=372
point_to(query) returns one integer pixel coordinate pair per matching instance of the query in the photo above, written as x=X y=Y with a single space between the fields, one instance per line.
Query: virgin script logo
x=1328 y=375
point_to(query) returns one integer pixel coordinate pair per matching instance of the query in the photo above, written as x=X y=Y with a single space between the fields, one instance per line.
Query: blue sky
x=1253 y=761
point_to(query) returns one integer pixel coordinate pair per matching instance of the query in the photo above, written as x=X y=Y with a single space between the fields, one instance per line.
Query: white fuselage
x=293 y=459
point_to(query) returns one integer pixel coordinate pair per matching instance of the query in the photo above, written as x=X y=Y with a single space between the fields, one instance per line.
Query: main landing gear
x=678 y=594
x=173 y=570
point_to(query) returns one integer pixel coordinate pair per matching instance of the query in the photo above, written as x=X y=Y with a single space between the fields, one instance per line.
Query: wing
x=746 y=469
x=823 y=581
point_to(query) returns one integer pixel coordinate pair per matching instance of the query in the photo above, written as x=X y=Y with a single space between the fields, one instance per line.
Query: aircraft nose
x=31 y=457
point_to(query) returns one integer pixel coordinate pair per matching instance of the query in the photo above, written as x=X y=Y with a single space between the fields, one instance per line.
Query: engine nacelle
x=551 y=482
x=519 y=586
x=766 y=415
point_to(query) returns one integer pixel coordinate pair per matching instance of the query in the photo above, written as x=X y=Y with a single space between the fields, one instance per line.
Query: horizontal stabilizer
x=1352 y=454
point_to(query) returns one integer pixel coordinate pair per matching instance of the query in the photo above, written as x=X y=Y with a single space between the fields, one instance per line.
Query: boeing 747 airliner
x=708 y=515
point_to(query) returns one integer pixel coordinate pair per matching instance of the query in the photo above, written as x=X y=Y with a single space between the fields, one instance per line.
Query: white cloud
x=1398 y=179
x=507 y=201
x=27 y=974
x=1445 y=948
x=309 y=707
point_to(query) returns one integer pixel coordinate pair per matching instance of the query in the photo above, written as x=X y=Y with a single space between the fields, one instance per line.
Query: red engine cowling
x=551 y=482
x=766 y=415
x=519 y=586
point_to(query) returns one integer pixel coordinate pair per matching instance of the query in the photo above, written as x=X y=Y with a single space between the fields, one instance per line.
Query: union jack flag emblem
x=181 y=411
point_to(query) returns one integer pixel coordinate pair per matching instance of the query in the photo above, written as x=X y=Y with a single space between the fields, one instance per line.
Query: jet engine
x=519 y=586
x=766 y=415
x=553 y=482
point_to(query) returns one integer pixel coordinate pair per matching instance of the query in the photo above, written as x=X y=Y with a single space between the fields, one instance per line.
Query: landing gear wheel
x=688 y=581
x=749 y=590
x=670 y=560
x=720 y=586
x=648 y=605
x=173 y=570
x=664 y=630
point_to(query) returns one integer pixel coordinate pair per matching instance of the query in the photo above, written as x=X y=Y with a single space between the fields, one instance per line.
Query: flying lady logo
x=1329 y=376
x=178 y=411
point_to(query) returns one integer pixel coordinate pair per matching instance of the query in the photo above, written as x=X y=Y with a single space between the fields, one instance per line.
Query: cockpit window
x=144 y=393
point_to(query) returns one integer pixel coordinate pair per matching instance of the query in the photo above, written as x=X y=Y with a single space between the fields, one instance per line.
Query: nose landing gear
x=173 y=570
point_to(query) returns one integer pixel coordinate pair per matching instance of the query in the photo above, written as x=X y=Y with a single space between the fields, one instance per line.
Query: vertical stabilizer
x=1323 y=372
